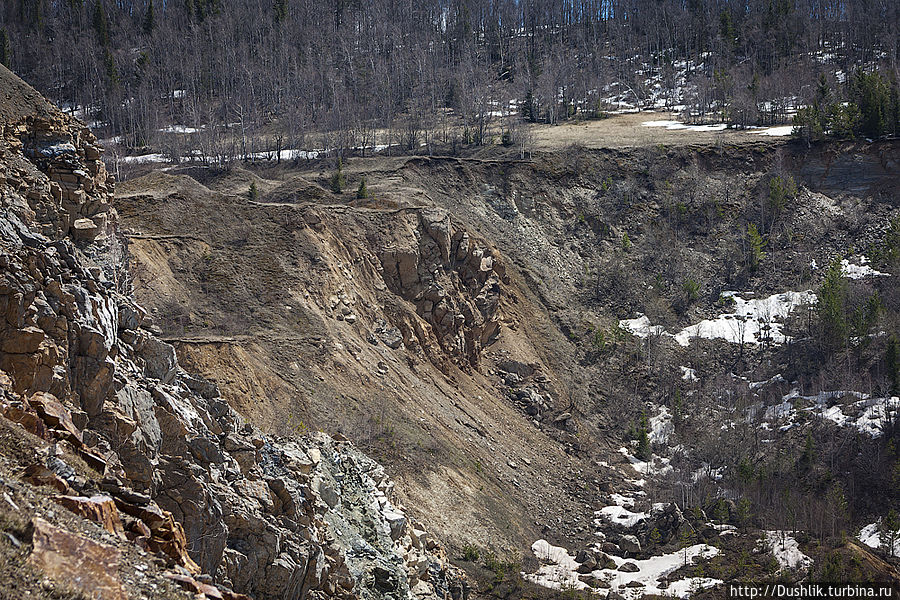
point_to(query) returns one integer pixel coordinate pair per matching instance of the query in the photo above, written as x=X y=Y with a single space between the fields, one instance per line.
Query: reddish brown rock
x=38 y=474
x=74 y=560
x=100 y=509
x=168 y=538
x=198 y=587
x=55 y=415
x=167 y=535
x=21 y=341
x=24 y=415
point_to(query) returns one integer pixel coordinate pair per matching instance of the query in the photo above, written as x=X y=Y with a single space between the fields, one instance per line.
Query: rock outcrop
x=173 y=468
x=454 y=283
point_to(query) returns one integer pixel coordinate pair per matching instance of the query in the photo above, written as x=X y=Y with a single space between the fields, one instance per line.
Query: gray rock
x=629 y=543
x=629 y=567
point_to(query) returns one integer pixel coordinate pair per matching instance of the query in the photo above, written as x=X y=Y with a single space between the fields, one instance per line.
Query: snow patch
x=179 y=129
x=677 y=125
x=870 y=535
x=688 y=374
x=859 y=271
x=753 y=321
x=777 y=131
x=786 y=551
x=619 y=515
x=661 y=426
x=559 y=572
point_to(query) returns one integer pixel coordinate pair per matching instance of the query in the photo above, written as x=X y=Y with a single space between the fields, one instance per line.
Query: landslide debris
x=171 y=487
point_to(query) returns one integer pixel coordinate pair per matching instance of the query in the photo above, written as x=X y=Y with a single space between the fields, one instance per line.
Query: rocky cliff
x=118 y=434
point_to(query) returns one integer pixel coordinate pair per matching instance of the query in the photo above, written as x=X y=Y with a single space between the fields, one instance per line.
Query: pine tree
x=757 y=243
x=254 y=192
x=5 y=53
x=832 y=307
x=149 y=23
x=889 y=532
x=280 y=10
x=101 y=25
x=337 y=179
x=361 y=192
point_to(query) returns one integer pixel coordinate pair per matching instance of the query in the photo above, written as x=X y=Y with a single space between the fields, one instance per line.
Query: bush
x=337 y=179
x=691 y=289
x=470 y=553
x=757 y=243
x=781 y=191
x=361 y=192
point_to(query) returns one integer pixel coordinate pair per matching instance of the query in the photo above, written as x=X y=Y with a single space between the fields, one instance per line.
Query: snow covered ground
x=752 y=321
x=843 y=408
x=786 y=551
x=661 y=426
x=777 y=131
x=871 y=537
x=657 y=465
x=677 y=125
x=559 y=571
x=861 y=270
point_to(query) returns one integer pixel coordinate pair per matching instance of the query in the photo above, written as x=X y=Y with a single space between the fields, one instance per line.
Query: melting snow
x=144 y=159
x=859 y=271
x=677 y=125
x=648 y=467
x=871 y=413
x=559 y=572
x=787 y=551
x=752 y=321
x=870 y=536
x=620 y=515
x=688 y=374
x=778 y=131
x=179 y=129
x=661 y=426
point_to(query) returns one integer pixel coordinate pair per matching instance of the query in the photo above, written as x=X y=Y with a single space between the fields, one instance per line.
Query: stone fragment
x=84 y=230
x=55 y=415
x=100 y=509
x=629 y=543
x=74 y=560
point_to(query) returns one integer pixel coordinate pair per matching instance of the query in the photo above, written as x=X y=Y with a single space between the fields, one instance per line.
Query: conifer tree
x=149 y=23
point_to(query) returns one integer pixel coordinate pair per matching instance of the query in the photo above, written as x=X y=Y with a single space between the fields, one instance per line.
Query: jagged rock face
x=183 y=475
x=454 y=284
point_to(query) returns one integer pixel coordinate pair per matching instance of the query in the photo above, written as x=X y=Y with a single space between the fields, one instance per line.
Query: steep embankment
x=463 y=322
x=121 y=475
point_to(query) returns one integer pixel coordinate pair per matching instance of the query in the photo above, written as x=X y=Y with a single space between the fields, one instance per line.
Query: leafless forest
x=250 y=76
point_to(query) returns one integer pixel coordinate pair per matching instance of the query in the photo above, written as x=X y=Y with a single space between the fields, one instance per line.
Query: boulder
x=629 y=543
x=100 y=509
x=21 y=341
x=55 y=415
x=84 y=230
x=74 y=560
x=629 y=567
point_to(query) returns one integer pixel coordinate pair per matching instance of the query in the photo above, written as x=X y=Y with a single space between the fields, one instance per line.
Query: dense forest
x=253 y=75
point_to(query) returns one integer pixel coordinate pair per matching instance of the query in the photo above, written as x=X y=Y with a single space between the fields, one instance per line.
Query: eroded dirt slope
x=459 y=323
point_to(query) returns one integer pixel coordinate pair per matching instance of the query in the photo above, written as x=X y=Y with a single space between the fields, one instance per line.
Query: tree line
x=344 y=74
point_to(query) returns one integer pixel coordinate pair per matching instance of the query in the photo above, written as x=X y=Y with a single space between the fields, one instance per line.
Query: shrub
x=781 y=191
x=691 y=289
x=253 y=193
x=470 y=553
x=757 y=243
x=337 y=178
x=361 y=192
